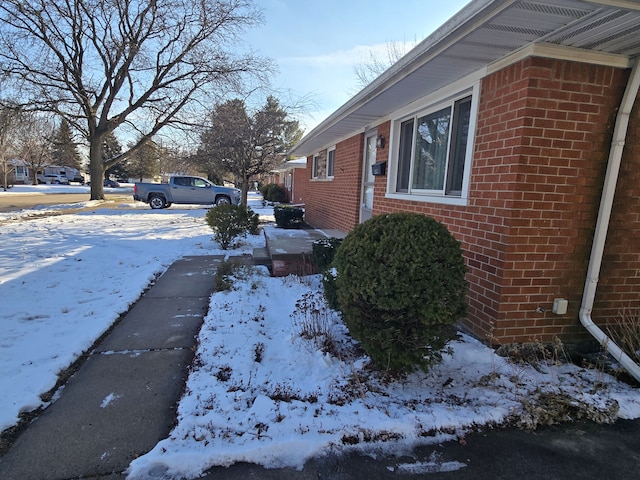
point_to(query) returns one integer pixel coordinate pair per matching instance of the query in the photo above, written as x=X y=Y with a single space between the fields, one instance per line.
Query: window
x=432 y=149
x=182 y=181
x=323 y=164
x=199 y=182
x=331 y=160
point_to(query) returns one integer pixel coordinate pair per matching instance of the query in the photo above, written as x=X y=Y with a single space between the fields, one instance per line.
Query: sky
x=317 y=43
x=298 y=399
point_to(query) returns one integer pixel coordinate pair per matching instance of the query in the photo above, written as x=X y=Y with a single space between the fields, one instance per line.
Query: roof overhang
x=292 y=165
x=484 y=36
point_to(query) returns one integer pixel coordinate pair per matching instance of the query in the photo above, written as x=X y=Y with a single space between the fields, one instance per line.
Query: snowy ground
x=276 y=378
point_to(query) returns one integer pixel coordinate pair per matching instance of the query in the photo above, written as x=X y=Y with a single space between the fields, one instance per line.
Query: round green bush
x=400 y=285
x=231 y=221
x=272 y=192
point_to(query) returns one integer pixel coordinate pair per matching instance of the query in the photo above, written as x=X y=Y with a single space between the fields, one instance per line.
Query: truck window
x=198 y=182
x=182 y=181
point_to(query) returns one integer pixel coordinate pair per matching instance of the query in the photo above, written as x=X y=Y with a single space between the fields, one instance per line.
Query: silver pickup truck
x=184 y=189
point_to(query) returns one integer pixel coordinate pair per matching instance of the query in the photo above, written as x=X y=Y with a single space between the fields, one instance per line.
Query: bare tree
x=24 y=137
x=378 y=62
x=33 y=137
x=7 y=144
x=181 y=161
x=132 y=65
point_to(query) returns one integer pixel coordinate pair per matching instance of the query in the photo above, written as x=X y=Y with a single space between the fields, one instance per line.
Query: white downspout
x=602 y=224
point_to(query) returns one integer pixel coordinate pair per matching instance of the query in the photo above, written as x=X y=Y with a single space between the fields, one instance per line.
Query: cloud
x=356 y=54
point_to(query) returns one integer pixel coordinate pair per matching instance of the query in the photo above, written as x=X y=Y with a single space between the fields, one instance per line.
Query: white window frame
x=315 y=167
x=417 y=110
x=331 y=162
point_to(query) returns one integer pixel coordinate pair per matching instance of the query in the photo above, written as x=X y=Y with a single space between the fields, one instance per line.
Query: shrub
x=322 y=254
x=228 y=271
x=288 y=217
x=273 y=193
x=400 y=285
x=231 y=221
x=323 y=251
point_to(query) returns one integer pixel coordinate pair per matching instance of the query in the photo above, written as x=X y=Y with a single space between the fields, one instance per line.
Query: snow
x=277 y=379
x=124 y=188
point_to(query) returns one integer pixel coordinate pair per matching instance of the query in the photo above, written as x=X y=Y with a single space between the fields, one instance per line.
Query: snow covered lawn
x=265 y=390
x=276 y=378
x=65 y=279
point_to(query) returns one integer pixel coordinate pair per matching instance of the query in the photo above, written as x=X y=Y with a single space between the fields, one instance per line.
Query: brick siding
x=335 y=204
x=619 y=285
x=543 y=135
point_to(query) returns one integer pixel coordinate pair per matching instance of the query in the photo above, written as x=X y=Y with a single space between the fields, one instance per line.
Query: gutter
x=602 y=224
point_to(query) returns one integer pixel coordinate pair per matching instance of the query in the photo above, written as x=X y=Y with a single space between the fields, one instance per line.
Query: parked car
x=185 y=190
x=52 y=179
x=108 y=183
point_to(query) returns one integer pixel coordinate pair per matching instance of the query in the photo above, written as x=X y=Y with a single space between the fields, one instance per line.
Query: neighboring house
x=18 y=171
x=501 y=125
x=291 y=176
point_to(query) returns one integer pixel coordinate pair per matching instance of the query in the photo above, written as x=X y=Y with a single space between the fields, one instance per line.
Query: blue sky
x=317 y=43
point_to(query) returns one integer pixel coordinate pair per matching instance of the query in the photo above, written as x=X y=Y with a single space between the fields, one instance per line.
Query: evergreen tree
x=64 y=149
x=145 y=162
x=247 y=144
x=111 y=148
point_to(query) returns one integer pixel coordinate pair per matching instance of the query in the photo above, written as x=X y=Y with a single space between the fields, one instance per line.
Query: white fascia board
x=548 y=50
x=626 y=4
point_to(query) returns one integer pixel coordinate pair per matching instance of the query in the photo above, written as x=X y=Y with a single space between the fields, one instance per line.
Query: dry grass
x=313 y=323
x=625 y=332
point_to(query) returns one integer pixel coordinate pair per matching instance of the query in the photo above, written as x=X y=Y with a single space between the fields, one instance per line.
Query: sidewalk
x=122 y=400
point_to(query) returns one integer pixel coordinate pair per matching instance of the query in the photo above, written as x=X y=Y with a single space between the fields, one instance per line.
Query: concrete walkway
x=122 y=400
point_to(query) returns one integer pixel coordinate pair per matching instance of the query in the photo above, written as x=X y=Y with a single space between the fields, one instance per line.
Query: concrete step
x=289 y=250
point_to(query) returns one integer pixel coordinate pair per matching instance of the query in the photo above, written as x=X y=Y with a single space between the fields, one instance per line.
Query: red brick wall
x=335 y=204
x=619 y=285
x=545 y=127
x=543 y=135
x=542 y=139
x=299 y=185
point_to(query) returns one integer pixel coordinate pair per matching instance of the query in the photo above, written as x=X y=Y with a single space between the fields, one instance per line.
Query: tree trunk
x=244 y=189
x=96 y=168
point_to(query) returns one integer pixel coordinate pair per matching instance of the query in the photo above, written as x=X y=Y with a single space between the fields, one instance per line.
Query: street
x=11 y=203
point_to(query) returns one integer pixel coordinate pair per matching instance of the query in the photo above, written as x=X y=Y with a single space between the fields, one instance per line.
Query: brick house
x=501 y=125
x=291 y=176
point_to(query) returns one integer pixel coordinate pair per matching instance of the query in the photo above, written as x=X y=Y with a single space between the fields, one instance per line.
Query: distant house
x=17 y=171
x=502 y=125
x=291 y=175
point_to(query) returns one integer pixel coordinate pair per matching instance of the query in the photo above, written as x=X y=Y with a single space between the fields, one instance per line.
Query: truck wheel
x=222 y=200
x=156 y=202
